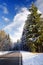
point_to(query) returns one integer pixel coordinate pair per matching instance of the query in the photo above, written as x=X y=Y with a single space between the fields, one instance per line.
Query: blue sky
x=13 y=14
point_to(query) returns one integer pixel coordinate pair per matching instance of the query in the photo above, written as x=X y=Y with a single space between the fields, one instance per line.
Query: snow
x=4 y=52
x=29 y=58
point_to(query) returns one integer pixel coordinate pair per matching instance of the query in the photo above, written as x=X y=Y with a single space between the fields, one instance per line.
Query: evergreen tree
x=5 y=43
x=32 y=30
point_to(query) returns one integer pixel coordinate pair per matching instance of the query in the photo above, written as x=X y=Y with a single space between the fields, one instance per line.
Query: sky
x=13 y=14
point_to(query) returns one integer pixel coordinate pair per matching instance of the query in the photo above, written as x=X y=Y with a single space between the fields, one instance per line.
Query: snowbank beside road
x=32 y=58
x=4 y=52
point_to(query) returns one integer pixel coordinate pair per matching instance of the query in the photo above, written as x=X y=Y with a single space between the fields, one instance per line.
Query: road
x=14 y=58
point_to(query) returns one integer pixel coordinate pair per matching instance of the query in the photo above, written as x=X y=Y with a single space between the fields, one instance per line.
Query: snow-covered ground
x=4 y=52
x=32 y=58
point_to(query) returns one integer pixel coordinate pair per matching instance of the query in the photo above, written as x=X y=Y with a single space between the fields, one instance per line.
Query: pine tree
x=31 y=29
x=5 y=43
x=39 y=41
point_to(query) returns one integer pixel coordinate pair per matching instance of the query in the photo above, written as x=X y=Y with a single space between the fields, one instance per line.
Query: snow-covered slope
x=32 y=58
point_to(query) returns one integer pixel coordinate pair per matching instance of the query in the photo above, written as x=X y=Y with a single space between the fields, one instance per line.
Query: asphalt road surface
x=14 y=58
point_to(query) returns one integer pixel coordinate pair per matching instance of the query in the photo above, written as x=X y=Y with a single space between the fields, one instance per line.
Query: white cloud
x=17 y=35
x=17 y=24
x=4 y=8
x=5 y=19
x=39 y=4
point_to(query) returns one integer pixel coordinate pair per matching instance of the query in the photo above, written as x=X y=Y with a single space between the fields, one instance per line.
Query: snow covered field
x=32 y=58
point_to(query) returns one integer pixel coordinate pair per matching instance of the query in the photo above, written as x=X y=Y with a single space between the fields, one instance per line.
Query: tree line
x=5 y=42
